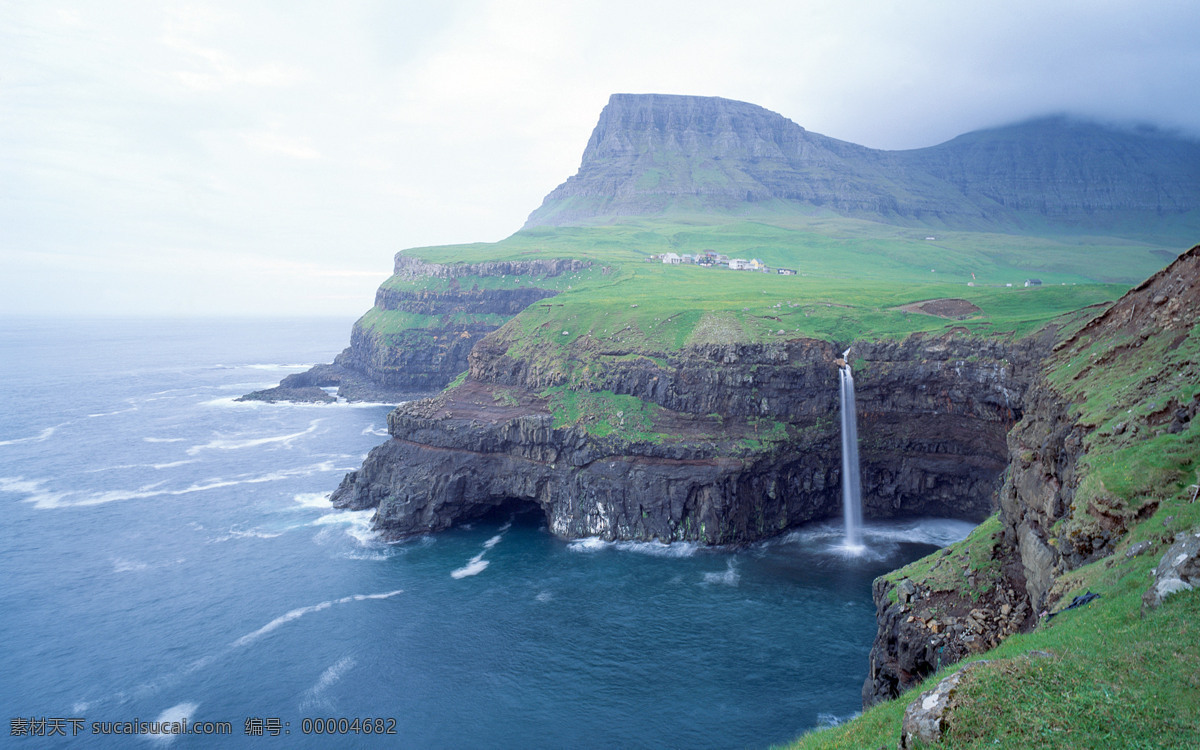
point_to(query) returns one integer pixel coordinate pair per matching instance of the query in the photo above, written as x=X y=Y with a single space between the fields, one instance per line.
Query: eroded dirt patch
x=950 y=307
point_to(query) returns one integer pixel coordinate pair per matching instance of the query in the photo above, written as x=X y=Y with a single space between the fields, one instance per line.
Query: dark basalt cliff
x=387 y=362
x=1050 y=523
x=744 y=442
x=653 y=154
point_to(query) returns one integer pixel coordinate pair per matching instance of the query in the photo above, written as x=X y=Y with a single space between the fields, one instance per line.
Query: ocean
x=170 y=554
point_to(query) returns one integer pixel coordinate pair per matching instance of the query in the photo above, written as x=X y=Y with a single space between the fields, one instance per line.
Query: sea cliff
x=733 y=443
x=426 y=319
x=1107 y=439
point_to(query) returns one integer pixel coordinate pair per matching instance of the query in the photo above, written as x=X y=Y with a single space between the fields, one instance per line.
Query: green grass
x=1117 y=678
x=941 y=571
x=397 y=322
x=837 y=247
x=604 y=413
x=853 y=275
x=654 y=309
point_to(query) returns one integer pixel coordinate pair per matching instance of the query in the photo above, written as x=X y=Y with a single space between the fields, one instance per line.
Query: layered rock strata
x=417 y=336
x=1047 y=525
x=743 y=445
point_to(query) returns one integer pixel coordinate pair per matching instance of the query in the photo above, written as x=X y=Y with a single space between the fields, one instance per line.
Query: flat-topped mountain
x=655 y=155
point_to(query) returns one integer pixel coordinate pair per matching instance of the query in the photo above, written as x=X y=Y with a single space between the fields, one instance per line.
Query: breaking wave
x=42 y=498
x=228 y=444
x=41 y=437
x=727 y=577
x=299 y=612
x=656 y=549
x=473 y=568
x=313 y=697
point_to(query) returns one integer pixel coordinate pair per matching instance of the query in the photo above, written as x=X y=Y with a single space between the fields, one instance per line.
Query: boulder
x=1178 y=570
x=925 y=718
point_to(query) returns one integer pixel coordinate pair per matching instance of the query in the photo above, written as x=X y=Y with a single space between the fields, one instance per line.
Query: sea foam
x=727 y=577
x=42 y=436
x=313 y=697
x=473 y=568
x=230 y=444
x=176 y=713
x=655 y=549
x=299 y=612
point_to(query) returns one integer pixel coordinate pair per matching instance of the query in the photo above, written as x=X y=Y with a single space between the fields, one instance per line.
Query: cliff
x=654 y=155
x=689 y=174
x=1108 y=441
x=426 y=319
x=722 y=444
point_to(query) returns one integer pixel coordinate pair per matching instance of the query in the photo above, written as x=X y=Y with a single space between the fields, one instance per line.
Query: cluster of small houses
x=710 y=259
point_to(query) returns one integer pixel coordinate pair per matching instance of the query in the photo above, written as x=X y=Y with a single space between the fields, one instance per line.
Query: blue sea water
x=167 y=552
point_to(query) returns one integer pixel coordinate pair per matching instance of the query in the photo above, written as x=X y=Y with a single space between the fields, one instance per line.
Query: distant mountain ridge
x=656 y=154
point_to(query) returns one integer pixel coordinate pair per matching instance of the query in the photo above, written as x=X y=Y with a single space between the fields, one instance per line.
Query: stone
x=925 y=718
x=1178 y=570
x=1137 y=549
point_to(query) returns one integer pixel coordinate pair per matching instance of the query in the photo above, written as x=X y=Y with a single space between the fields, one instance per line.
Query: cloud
x=308 y=137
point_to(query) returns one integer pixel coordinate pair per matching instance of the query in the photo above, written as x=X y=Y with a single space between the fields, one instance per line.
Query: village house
x=739 y=264
x=671 y=258
x=785 y=272
x=1033 y=282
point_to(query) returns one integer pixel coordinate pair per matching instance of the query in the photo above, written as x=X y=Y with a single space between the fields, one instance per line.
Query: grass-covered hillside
x=852 y=278
x=1110 y=674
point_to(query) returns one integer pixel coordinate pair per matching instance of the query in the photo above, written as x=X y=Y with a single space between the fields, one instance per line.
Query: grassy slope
x=1116 y=678
x=853 y=275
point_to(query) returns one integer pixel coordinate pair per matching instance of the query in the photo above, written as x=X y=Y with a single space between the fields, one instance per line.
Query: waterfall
x=851 y=481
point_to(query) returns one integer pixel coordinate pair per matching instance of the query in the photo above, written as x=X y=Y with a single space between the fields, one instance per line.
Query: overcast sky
x=270 y=157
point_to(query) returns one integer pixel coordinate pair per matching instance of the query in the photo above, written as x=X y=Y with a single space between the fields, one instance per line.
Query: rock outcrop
x=742 y=444
x=1178 y=570
x=956 y=611
x=426 y=319
x=1053 y=516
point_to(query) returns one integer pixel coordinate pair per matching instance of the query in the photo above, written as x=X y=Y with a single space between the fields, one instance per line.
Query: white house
x=671 y=258
x=739 y=264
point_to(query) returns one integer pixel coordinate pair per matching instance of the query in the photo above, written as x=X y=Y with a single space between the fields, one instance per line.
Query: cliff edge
x=1108 y=445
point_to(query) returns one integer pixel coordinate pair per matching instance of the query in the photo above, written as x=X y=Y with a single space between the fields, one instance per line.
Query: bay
x=168 y=552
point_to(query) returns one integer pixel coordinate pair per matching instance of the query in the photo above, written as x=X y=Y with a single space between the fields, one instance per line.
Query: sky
x=269 y=158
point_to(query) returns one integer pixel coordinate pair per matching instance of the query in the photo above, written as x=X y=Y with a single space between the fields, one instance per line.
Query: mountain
x=662 y=155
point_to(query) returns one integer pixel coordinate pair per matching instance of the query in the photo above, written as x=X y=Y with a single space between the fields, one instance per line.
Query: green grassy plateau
x=852 y=278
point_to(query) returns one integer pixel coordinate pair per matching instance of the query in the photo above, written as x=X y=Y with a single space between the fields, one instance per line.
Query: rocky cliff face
x=1050 y=524
x=417 y=336
x=743 y=441
x=1120 y=381
x=654 y=154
